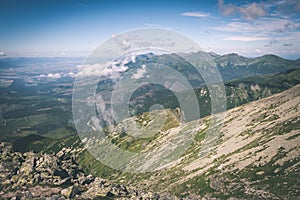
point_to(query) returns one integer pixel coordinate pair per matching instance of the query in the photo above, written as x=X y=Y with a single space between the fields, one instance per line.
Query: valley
x=256 y=154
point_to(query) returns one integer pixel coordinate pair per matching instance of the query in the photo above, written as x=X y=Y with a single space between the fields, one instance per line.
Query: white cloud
x=126 y=59
x=152 y=25
x=50 y=75
x=195 y=14
x=285 y=6
x=246 y=38
x=56 y=75
x=252 y=11
x=226 y=10
x=248 y=12
x=125 y=44
x=133 y=58
x=255 y=10
x=140 y=73
x=257 y=50
x=109 y=70
x=71 y=74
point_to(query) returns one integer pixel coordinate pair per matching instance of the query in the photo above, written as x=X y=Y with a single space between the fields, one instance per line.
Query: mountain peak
x=233 y=55
x=270 y=56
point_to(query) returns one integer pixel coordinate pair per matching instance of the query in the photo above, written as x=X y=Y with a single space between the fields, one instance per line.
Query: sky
x=75 y=28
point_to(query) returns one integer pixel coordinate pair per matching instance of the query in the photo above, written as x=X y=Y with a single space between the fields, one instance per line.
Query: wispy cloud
x=252 y=11
x=246 y=38
x=152 y=25
x=255 y=10
x=285 y=6
x=195 y=14
x=292 y=36
x=265 y=25
x=248 y=12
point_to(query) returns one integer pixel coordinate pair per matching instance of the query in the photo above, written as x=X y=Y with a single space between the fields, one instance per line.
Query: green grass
x=92 y=166
x=198 y=185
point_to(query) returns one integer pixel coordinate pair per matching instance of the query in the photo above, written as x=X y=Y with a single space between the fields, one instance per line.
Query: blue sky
x=72 y=28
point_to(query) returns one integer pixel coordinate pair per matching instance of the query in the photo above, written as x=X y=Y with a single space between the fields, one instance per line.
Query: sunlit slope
x=256 y=156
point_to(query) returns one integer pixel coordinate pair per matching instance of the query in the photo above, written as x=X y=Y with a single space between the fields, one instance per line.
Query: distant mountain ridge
x=231 y=66
x=234 y=66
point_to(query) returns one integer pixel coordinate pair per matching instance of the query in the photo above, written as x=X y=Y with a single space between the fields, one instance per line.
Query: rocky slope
x=42 y=176
x=257 y=155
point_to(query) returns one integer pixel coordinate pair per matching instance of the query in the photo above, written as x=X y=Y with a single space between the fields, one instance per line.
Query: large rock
x=70 y=192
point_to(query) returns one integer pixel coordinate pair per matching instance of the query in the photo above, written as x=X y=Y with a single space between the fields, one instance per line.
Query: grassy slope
x=200 y=184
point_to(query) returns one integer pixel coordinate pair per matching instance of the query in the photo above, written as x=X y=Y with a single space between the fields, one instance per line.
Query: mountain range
x=256 y=155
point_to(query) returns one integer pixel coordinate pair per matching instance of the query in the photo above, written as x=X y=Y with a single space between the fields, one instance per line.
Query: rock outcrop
x=42 y=176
